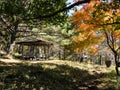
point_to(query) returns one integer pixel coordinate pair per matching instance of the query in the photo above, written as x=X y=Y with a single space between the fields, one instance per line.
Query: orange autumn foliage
x=87 y=36
x=83 y=22
x=117 y=35
x=93 y=49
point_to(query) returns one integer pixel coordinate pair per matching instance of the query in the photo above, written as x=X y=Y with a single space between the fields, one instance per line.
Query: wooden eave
x=34 y=43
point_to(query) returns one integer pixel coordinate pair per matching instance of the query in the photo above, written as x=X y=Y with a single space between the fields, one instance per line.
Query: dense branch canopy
x=37 y=9
x=61 y=10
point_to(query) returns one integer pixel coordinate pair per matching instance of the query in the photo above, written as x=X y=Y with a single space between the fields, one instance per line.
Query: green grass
x=56 y=75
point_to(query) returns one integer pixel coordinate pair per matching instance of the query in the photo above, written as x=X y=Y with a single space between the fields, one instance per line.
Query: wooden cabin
x=34 y=49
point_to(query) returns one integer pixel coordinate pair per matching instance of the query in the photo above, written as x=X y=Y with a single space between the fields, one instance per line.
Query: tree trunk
x=116 y=64
x=11 y=49
x=59 y=54
x=12 y=39
x=64 y=51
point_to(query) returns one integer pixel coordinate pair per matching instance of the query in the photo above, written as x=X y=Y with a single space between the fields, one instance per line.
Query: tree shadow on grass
x=37 y=77
x=111 y=81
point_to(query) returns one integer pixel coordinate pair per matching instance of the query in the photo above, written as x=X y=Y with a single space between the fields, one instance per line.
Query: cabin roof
x=36 y=42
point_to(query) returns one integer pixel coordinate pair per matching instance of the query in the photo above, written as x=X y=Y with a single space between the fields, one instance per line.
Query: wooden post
x=40 y=52
x=33 y=50
x=45 y=52
x=22 y=49
x=48 y=52
x=19 y=49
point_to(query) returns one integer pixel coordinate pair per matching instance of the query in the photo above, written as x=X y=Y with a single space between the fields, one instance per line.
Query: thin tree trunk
x=59 y=54
x=13 y=38
x=64 y=51
x=11 y=48
x=116 y=64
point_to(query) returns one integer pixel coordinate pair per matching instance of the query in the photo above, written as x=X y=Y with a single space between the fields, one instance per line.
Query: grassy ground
x=56 y=75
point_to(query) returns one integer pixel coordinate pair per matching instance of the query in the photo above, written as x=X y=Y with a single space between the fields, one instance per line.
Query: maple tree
x=96 y=23
x=87 y=31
